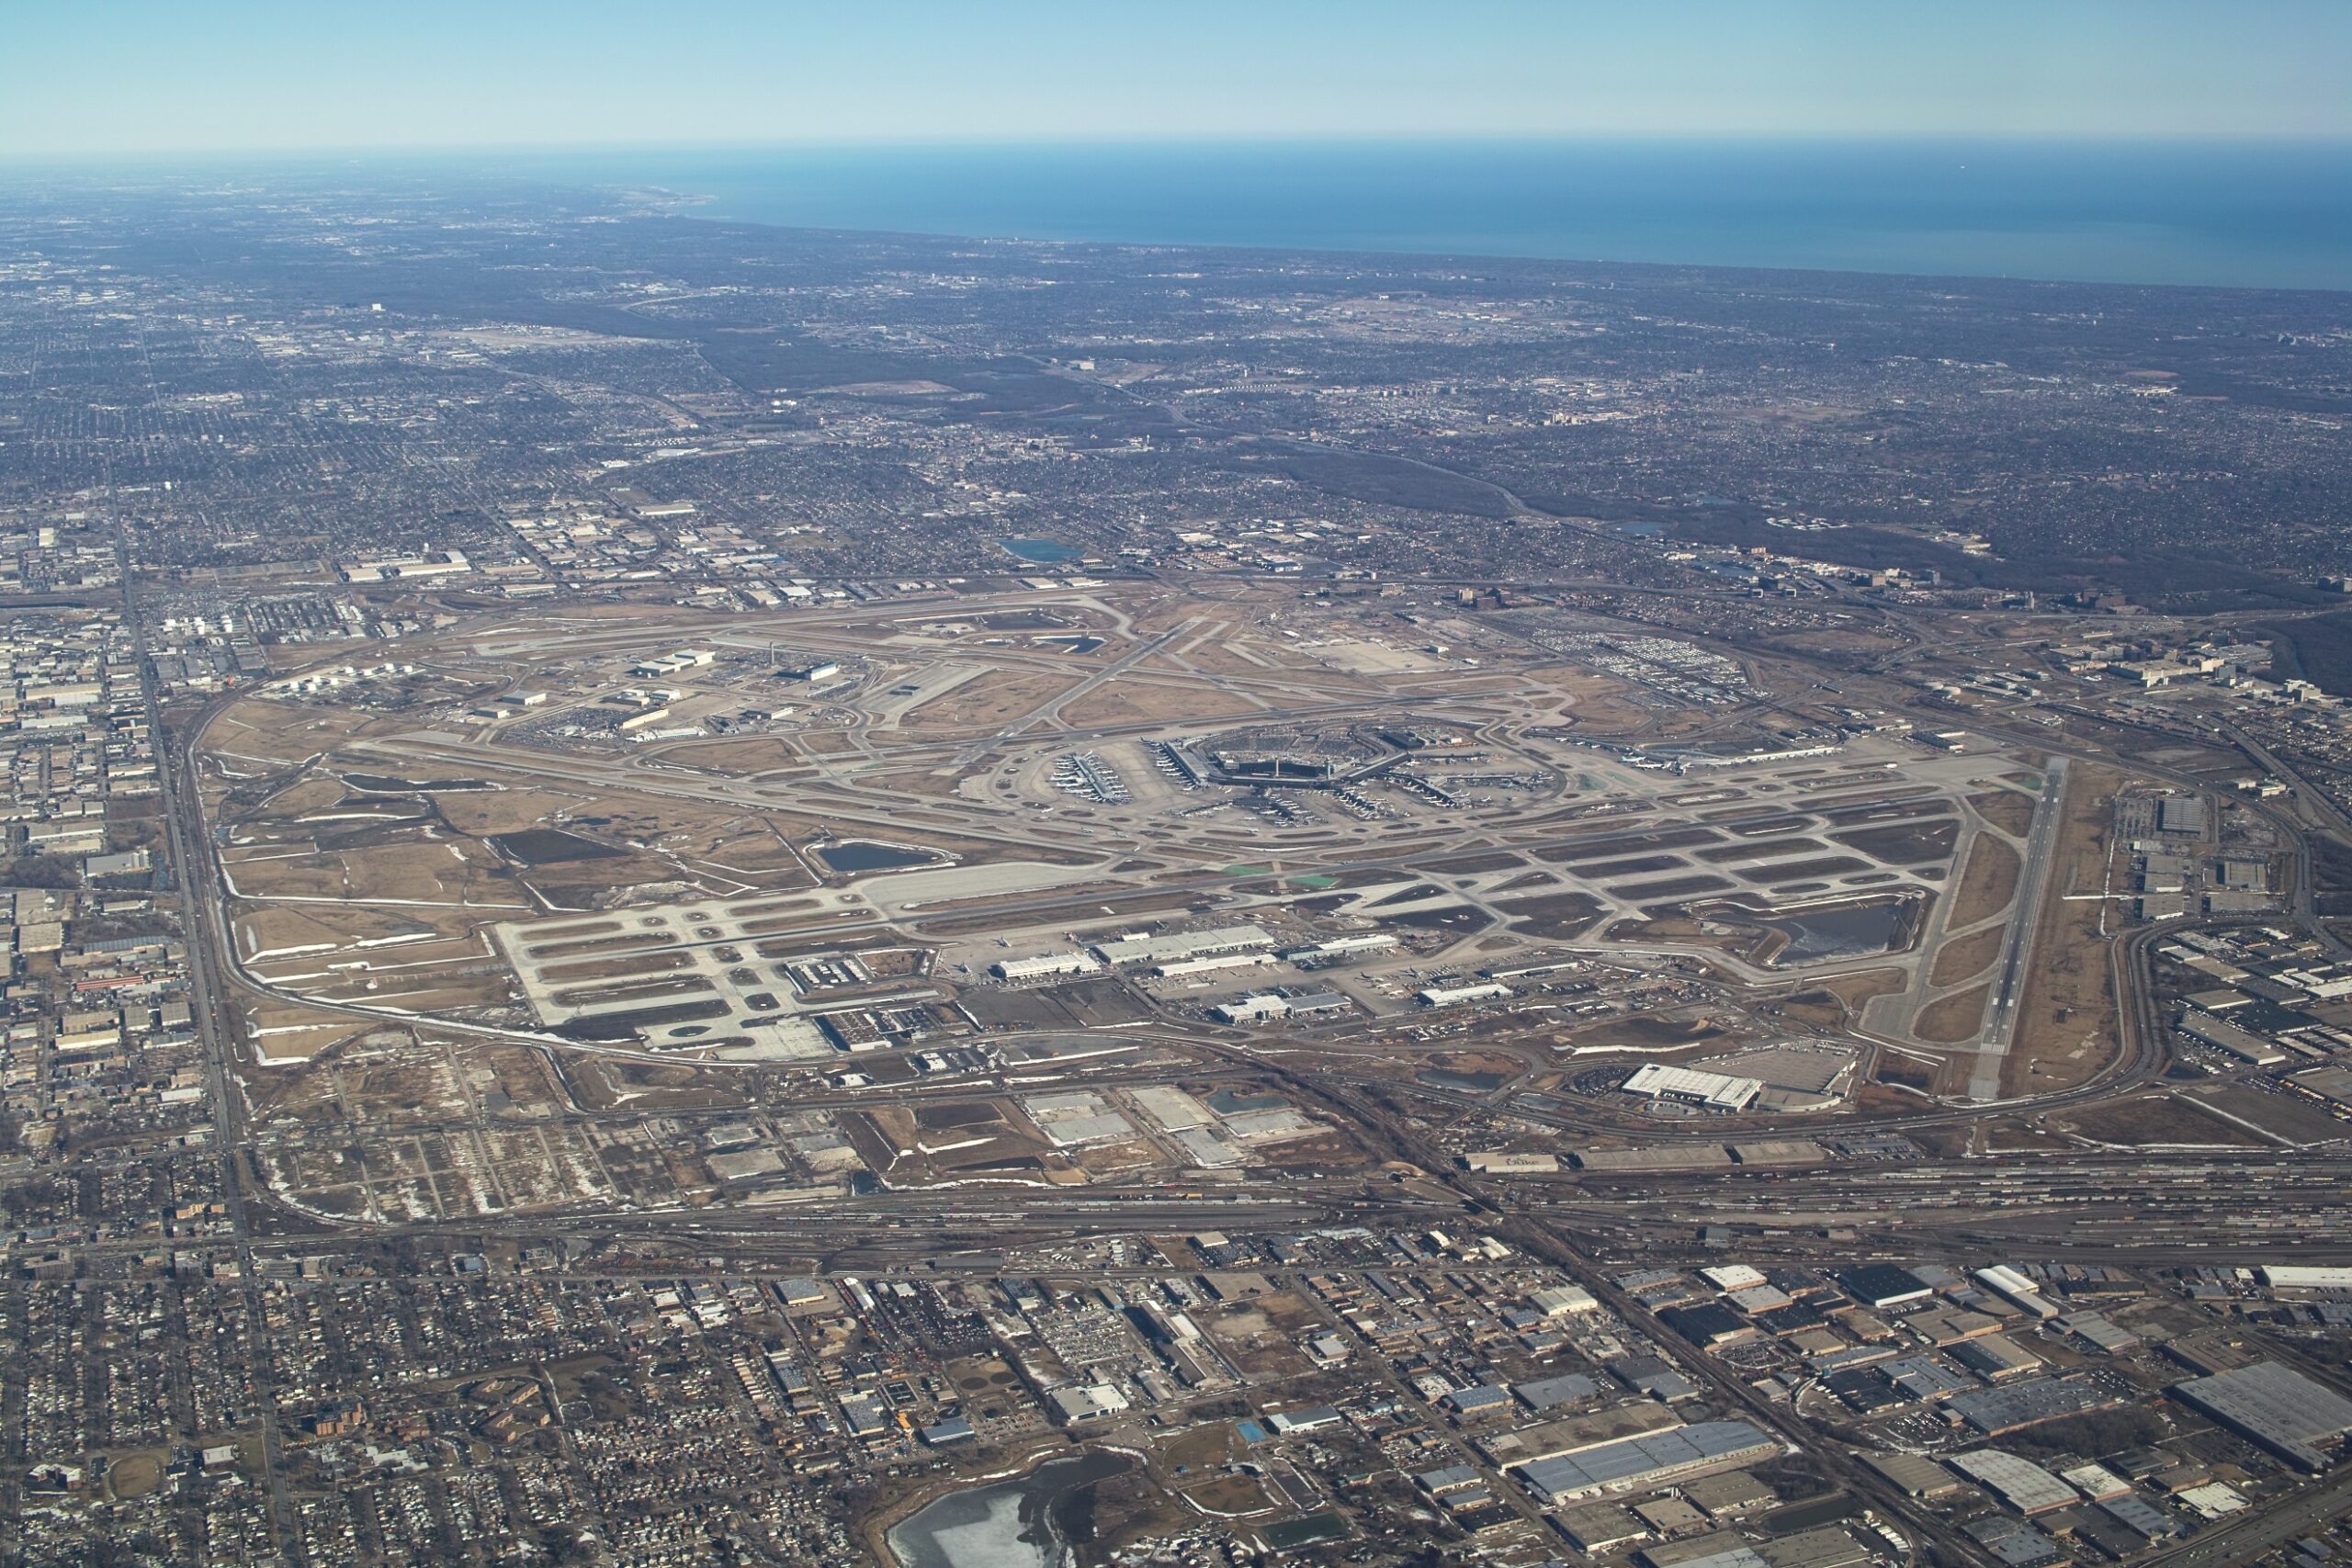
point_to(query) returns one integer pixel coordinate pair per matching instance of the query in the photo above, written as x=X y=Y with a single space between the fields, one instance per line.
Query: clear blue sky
x=82 y=76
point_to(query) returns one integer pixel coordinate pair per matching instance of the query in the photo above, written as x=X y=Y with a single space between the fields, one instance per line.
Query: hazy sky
x=197 y=75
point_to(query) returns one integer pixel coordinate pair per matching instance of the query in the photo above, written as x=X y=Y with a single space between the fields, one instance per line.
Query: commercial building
x=1499 y=1162
x=1716 y=1091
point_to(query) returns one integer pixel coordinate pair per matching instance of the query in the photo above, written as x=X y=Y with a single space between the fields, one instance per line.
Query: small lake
x=1848 y=931
x=1075 y=644
x=858 y=855
x=1024 y=1523
x=1042 y=552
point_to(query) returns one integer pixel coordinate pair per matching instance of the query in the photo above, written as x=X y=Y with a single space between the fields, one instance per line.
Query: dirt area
x=1906 y=843
x=1988 y=884
x=1964 y=957
x=1255 y=1343
x=1646 y=1034
x=1670 y=887
x=1956 y=1018
x=1766 y=849
x=1575 y=855
x=2007 y=810
x=1802 y=870
x=1554 y=916
x=2066 y=1023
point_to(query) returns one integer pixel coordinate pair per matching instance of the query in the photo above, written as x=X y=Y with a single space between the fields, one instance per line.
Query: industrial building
x=2306 y=1277
x=1044 y=965
x=2276 y=1406
x=1340 y=947
x=2017 y=1290
x=1183 y=947
x=1451 y=995
x=1882 y=1285
x=1259 y=1008
x=1646 y=1462
x=2020 y=1483
x=2228 y=1037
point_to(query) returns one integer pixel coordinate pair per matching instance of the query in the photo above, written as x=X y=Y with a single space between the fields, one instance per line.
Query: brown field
x=1590 y=700
x=979 y=705
x=2159 y=1119
x=482 y=812
x=1256 y=1344
x=2282 y=1116
x=1832 y=1004
x=736 y=756
x=1988 y=884
x=1955 y=1019
x=2067 y=1024
x=918 y=781
x=1120 y=701
x=2006 y=809
x=1964 y=956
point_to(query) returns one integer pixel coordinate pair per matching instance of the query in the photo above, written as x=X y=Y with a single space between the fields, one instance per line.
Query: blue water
x=2258 y=215
x=1041 y=552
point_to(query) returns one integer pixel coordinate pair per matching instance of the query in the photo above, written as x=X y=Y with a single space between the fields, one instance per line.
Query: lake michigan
x=2235 y=214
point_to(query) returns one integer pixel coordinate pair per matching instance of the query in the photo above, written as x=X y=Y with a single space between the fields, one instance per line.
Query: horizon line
x=1059 y=142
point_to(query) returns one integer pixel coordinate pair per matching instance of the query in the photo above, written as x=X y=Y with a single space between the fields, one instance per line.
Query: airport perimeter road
x=2017 y=946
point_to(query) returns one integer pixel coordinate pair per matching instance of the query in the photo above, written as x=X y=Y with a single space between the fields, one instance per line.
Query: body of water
x=852 y=855
x=1009 y=1524
x=1841 y=931
x=2241 y=214
x=1042 y=552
